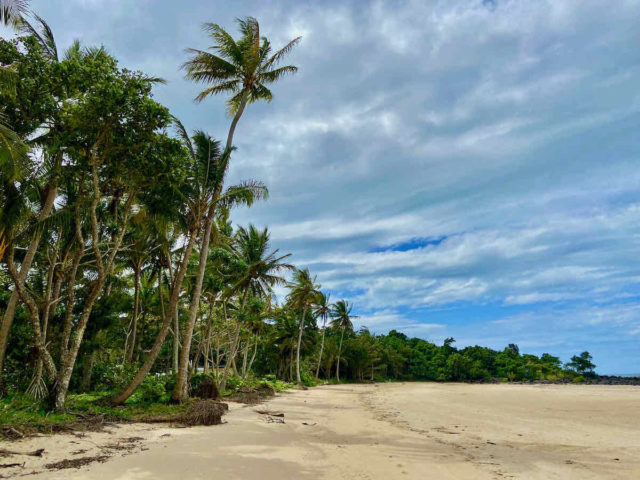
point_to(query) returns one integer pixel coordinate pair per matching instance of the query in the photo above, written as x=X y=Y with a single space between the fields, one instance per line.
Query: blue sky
x=454 y=168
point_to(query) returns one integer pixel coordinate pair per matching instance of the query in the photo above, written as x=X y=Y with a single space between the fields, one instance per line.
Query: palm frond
x=245 y=193
x=222 y=87
x=43 y=34
x=280 y=54
x=275 y=75
x=183 y=135
x=74 y=51
x=12 y=12
x=225 y=44
x=260 y=92
x=14 y=159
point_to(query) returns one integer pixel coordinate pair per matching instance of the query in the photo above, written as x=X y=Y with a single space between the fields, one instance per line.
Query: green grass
x=30 y=416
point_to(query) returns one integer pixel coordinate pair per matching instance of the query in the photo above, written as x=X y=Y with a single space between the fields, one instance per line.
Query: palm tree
x=322 y=310
x=341 y=315
x=257 y=269
x=302 y=295
x=254 y=270
x=242 y=68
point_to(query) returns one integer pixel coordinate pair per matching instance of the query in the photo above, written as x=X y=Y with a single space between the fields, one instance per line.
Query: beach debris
x=271 y=419
x=207 y=389
x=10 y=465
x=309 y=424
x=165 y=435
x=35 y=453
x=491 y=443
x=12 y=433
x=128 y=444
x=270 y=412
x=205 y=412
x=252 y=396
x=79 y=452
x=76 y=462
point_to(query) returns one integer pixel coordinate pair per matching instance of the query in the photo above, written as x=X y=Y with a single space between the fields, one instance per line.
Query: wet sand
x=387 y=431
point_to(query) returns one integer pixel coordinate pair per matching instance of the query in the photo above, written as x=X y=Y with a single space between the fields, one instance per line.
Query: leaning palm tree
x=241 y=67
x=322 y=311
x=302 y=295
x=341 y=315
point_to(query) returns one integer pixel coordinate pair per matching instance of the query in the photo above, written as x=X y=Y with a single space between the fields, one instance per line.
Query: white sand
x=405 y=431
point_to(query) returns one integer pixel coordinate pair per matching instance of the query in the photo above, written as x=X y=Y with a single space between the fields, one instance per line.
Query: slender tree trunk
x=180 y=393
x=176 y=338
x=208 y=338
x=7 y=318
x=196 y=358
x=85 y=384
x=304 y=314
x=339 y=353
x=253 y=356
x=234 y=122
x=69 y=357
x=321 y=350
x=34 y=317
x=122 y=396
x=134 y=318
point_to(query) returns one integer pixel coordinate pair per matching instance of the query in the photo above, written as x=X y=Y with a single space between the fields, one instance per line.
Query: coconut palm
x=302 y=296
x=257 y=269
x=341 y=319
x=322 y=311
x=241 y=67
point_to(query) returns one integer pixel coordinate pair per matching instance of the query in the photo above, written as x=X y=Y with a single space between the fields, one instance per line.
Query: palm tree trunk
x=321 y=350
x=236 y=118
x=304 y=314
x=122 y=396
x=339 y=352
x=180 y=393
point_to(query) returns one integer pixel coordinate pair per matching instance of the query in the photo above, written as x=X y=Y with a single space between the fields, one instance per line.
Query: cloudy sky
x=454 y=168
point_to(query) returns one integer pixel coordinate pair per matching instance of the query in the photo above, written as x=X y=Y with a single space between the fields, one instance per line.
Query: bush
x=578 y=379
x=308 y=378
x=151 y=390
x=108 y=376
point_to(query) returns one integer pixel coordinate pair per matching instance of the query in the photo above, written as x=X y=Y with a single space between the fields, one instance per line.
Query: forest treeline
x=121 y=271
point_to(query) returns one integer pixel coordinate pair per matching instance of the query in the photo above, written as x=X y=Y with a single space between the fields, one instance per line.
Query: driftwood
x=35 y=453
x=9 y=465
x=14 y=432
x=269 y=412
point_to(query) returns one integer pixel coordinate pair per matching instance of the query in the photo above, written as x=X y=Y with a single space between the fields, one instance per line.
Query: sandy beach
x=385 y=431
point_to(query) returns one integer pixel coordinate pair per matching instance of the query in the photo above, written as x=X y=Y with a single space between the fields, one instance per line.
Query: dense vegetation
x=121 y=271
